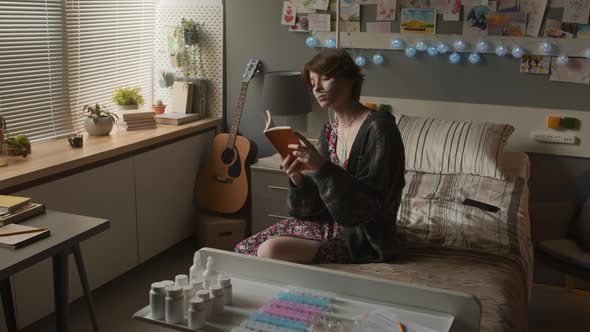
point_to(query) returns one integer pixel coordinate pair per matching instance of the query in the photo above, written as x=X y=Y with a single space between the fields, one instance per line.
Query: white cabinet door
x=103 y=192
x=165 y=183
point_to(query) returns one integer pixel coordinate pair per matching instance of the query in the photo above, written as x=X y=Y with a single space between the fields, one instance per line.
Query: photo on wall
x=418 y=21
x=535 y=64
x=507 y=24
x=475 y=23
x=575 y=71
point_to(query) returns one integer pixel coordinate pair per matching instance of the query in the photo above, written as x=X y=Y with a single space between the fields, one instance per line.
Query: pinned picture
x=576 y=11
x=301 y=24
x=379 y=27
x=420 y=4
x=535 y=64
x=576 y=71
x=453 y=11
x=386 y=10
x=311 y=4
x=348 y=12
x=418 y=21
x=583 y=31
x=558 y=29
x=319 y=22
x=507 y=24
x=171 y=40
x=289 y=14
x=368 y=2
x=475 y=23
x=535 y=10
x=507 y=6
x=347 y=26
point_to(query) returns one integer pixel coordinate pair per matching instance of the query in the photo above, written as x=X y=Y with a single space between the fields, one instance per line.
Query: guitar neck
x=237 y=117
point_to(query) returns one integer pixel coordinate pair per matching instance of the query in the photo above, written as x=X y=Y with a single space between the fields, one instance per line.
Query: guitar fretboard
x=237 y=116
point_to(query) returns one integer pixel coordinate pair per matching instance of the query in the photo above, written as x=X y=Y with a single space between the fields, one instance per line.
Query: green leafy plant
x=98 y=111
x=190 y=41
x=19 y=144
x=128 y=96
x=189 y=32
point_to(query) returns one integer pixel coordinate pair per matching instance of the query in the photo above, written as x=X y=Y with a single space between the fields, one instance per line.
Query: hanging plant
x=190 y=42
x=190 y=31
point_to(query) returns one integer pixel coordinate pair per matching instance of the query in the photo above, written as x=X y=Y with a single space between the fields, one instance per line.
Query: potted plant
x=18 y=145
x=159 y=107
x=190 y=31
x=99 y=121
x=128 y=98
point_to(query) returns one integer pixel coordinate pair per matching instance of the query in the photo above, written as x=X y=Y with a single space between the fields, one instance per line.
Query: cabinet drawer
x=269 y=198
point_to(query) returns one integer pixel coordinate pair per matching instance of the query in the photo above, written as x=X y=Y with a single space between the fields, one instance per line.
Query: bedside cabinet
x=270 y=188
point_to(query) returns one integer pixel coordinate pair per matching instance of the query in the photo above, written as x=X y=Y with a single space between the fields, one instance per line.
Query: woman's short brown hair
x=336 y=63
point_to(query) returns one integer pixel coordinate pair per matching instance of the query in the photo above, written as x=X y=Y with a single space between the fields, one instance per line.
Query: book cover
x=25 y=212
x=182 y=97
x=176 y=118
x=30 y=234
x=280 y=137
x=9 y=204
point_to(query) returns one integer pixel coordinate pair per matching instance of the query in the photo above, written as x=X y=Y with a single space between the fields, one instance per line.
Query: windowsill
x=57 y=156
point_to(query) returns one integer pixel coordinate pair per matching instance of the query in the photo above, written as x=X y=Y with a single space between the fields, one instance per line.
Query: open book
x=280 y=137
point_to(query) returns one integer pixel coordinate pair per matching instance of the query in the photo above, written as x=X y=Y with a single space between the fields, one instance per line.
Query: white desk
x=256 y=281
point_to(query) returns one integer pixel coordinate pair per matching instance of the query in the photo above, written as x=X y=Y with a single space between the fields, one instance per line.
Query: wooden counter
x=57 y=156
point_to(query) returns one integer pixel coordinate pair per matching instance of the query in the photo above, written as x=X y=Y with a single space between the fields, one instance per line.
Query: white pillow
x=453 y=147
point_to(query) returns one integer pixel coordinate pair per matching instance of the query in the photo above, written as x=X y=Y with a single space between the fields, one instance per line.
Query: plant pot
x=191 y=37
x=159 y=109
x=102 y=127
x=13 y=152
x=127 y=107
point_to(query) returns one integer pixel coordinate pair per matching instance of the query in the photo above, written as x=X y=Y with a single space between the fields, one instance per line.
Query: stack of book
x=188 y=102
x=15 y=209
x=135 y=120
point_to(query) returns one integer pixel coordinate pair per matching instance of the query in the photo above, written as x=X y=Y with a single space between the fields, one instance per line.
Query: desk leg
x=8 y=304
x=60 y=291
x=85 y=287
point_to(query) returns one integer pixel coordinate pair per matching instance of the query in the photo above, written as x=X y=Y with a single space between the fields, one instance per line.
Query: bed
x=449 y=245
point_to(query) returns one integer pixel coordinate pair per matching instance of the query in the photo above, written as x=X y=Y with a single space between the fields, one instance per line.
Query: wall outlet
x=554 y=138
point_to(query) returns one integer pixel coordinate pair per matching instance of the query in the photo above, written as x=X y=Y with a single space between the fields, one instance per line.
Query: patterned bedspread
x=453 y=246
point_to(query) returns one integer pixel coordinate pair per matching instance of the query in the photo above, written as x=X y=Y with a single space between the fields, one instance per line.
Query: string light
x=455 y=58
x=501 y=50
x=378 y=59
x=410 y=52
x=443 y=47
x=360 y=60
x=460 y=45
x=474 y=58
x=482 y=46
x=517 y=52
x=432 y=51
x=562 y=59
x=587 y=53
x=397 y=44
x=421 y=45
x=312 y=42
x=330 y=43
x=546 y=47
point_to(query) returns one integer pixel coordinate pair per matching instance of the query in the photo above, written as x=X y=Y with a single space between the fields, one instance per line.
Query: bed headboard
x=526 y=120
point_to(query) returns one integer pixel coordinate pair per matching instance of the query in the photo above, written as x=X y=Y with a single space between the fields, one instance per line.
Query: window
x=58 y=55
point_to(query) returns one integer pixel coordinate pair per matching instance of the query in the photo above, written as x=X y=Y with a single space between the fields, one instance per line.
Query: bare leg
x=289 y=249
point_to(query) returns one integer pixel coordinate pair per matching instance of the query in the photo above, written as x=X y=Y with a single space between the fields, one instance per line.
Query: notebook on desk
x=23 y=235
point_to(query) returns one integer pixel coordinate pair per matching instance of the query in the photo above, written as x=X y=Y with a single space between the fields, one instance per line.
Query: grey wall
x=253 y=31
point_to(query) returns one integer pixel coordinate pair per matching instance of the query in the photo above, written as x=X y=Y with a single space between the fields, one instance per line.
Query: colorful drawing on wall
x=418 y=21
x=319 y=22
x=576 y=11
x=476 y=20
x=301 y=24
x=311 y=4
x=559 y=29
x=386 y=10
x=576 y=71
x=171 y=40
x=453 y=11
x=348 y=12
x=535 y=10
x=289 y=13
x=507 y=24
x=507 y=6
x=379 y=27
x=535 y=64
x=583 y=31
x=347 y=26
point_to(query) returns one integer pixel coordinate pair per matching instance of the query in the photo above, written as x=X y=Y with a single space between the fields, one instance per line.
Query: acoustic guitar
x=222 y=186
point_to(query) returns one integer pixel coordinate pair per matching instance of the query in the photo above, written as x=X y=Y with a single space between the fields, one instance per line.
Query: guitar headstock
x=252 y=68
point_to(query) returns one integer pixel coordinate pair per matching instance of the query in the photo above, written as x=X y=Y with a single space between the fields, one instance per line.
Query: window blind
x=33 y=94
x=109 y=45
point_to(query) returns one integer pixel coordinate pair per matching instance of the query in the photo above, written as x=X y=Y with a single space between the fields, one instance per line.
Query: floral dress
x=332 y=249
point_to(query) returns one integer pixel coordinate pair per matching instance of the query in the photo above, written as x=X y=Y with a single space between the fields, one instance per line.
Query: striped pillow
x=453 y=147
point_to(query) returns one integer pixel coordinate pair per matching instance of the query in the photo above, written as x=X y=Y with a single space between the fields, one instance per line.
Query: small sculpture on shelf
x=99 y=121
x=128 y=98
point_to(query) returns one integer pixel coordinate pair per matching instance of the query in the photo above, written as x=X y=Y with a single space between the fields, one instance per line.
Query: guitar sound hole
x=227 y=156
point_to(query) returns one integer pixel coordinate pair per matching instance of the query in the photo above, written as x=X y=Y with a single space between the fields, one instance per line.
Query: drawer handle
x=275 y=187
x=277 y=216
